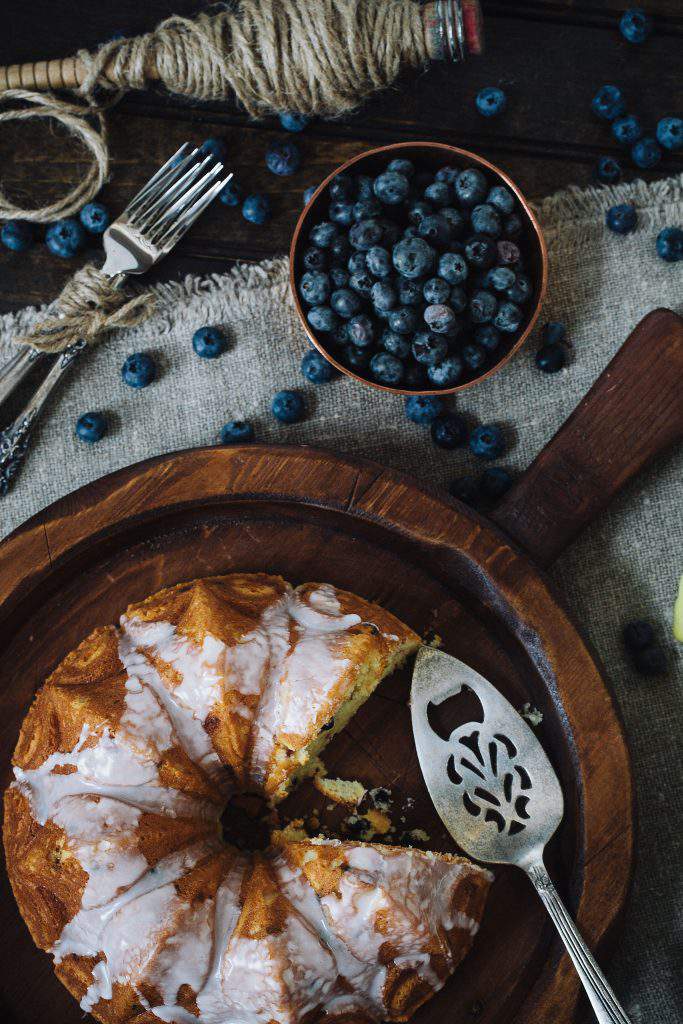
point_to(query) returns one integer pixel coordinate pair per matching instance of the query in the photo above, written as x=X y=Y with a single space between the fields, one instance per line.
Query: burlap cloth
x=625 y=566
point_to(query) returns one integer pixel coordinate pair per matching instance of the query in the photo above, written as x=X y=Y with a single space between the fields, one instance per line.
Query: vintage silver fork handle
x=602 y=998
x=15 y=369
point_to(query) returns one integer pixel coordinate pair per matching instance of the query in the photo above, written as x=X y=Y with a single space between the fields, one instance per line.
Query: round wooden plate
x=313 y=516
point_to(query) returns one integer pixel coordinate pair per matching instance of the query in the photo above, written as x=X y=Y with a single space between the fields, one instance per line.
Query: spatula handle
x=602 y=998
x=633 y=411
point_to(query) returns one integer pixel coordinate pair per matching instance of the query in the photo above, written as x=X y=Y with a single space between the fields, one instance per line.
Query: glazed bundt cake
x=112 y=830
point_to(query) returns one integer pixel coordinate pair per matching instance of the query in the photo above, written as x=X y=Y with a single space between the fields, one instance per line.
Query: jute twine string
x=87 y=308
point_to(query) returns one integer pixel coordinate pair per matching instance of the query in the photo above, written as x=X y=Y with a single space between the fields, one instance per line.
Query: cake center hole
x=247 y=822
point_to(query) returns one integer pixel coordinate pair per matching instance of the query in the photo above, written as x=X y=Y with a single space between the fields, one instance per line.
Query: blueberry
x=415 y=376
x=356 y=263
x=361 y=331
x=481 y=252
x=608 y=102
x=391 y=188
x=551 y=357
x=314 y=258
x=428 y=348
x=447 y=174
x=365 y=234
x=500 y=278
x=383 y=295
x=491 y=101
x=402 y=166
x=457 y=299
x=436 y=290
x=453 y=267
x=487 y=441
x=435 y=229
x=483 y=307
x=449 y=430
x=209 y=342
x=637 y=635
x=65 y=237
x=486 y=220
x=340 y=335
x=283 y=157
x=439 y=193
x=635 y=25
x=447 y=373
x=391 y=233
x=403 y=320
x=423 y=409
x=396 y=344
x=308 y=194
x=454 y=219
x=621 y=219
x=501 y=199
x=323 y=234
x=465 y=489
x=495 y=482
x=355 y=358
x=341 y=212
x=419 y=209
x=513 y=226
x=508 y=318
x=509 y=253
x=608 y=170
x=91 y=427
x=256 y=209
x=386 y=369
x=339 y=251
x=646 y=153
x=322 y=318
x=314 y=287
x=292 y=122
x=378 y=262
x=345 y=302
x=361 y=283
x=650 y=661
x=488 y=337
x=341 y=187
x=413 y=257
x=440 y=318
x=474 y=356
x=237 y=432
x=670 y=244
x=411 y=232
x=366 y=209
x=231 y=194
x=670 y=133
x=409 y=292
x=627 y=129
x=470 y=187
x=16 y=235
x=217 y=148
x=316 y=368
x=95 y=218
x=553 y=332
x=138 y=370
x=288 y=406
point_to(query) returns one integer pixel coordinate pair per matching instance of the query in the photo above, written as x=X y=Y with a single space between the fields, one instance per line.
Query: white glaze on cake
x=327 y=952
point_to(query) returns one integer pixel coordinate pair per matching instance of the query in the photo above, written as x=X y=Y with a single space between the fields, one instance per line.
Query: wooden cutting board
x=314 y=516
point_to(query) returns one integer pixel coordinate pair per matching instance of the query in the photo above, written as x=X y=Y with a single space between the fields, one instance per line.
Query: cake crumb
x=532 y=715
x=341 y=791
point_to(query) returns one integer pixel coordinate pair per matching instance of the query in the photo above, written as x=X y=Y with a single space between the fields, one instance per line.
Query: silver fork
x=152 y=223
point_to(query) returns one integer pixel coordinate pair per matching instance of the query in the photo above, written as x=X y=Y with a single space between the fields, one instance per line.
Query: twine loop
x=76 y=119
x=87 y=308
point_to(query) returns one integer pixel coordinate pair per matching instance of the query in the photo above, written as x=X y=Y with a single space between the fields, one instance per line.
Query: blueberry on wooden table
x=91 y=427
x=95 y=218
x=627 y=129
x=231 y=193
x=670 y=133
x=491 y=101
x=16 y=235
x=449 y=430
x=288 y=407
x=138 y=370
x=316 y=368
x=256 y=209
x=608 y=170
x=670 y=244
x=209 y=342
x=635 y=25
x=622 y=218
x=423 y=409
x=646 y=153
x=65 y=237
x=217 y=148
x=237 y=432
x=487 y=441
x=283 y=157
x=292 y=122
x=608 y=103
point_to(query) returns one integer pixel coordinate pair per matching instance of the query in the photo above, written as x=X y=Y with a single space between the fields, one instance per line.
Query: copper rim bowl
x=429 y=155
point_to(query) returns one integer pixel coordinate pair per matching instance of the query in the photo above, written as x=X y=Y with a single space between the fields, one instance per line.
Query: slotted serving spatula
x=497 y=794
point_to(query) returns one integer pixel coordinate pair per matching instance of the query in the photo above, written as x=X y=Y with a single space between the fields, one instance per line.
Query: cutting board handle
x=633 y=411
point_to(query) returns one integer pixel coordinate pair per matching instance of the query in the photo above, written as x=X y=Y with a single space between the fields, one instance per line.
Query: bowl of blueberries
x=418 y=268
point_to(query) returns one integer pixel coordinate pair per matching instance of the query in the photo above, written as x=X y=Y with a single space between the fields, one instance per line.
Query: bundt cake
x=112 y=830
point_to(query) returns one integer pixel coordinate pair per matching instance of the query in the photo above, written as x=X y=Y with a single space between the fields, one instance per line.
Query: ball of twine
x=75 y=118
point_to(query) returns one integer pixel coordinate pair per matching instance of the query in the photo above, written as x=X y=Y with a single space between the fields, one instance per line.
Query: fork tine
x=168 y=215
x=144 y=217
x=173 y=164
x=177 y=229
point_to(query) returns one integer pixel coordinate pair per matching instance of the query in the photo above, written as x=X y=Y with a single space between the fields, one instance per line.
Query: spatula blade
x=490 y=780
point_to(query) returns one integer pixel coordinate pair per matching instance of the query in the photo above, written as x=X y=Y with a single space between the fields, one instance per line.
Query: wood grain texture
x=633 y=411
x=311 y=515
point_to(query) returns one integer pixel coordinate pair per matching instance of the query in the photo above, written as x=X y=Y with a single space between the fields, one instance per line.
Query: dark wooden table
x=549 y=55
